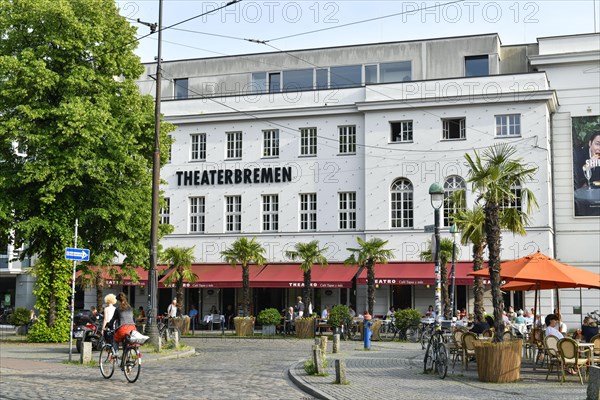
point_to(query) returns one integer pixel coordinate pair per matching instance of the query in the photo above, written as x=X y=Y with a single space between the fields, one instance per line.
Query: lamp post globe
x=436 y=192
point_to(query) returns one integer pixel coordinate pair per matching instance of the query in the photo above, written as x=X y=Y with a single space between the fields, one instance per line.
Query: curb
x=158 y=357
x=302 y=385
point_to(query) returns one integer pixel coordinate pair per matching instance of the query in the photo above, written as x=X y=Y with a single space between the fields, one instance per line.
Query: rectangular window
x=347 y=138
x=297 y=79
x=197 y=214
x=321 y=78
x=165 y=211
x=259 y=82
x=477 y=65
x=234 y=145
x=274 y=82
x=370 y=74
x=181 y=88
x=346 y=76
x=508 y=125
x=347 y=210
x=198 y=147
x=516 y=201
x=271 y=143
x=402 y=131
x=308 y=141
x=308 y=211
x=395 y=72
x=454 y=128
x=270 y=212
x=233 y=213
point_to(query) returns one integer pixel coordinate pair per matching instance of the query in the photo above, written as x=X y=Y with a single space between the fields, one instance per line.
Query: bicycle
x=427 y=330
x=388 y=331
x=166 y=330
x=130 y=361
x=351 y=331
x=436 y=355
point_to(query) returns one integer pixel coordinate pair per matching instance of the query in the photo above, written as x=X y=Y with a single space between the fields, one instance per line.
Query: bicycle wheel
x=106 y=361
x=132 y=364
x=441 y=360
x=412 y=334
x=425 y=336
x=385 y=333
x=428 y=362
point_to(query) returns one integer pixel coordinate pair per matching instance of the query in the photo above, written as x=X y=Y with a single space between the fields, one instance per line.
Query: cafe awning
x=216 y=276
x=415 y=273
x=121 y=279
x=331 y=276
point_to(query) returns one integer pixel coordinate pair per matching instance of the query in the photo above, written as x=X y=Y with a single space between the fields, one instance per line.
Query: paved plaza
x=241 y=368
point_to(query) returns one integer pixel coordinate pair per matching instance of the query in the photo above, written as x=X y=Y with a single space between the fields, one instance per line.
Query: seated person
x=325 y=313
x=288 y=320
x=213 y=310
x=588 y=329
x=479 y=326
x=552 y=326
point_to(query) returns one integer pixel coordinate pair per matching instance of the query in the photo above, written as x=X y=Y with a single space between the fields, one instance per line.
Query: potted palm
x=269 y=318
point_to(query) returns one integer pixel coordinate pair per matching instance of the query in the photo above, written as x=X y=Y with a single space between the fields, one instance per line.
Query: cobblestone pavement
x=238 y=368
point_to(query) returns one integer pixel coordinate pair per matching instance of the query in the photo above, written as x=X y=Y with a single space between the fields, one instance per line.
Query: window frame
x=452 y=184
x=308 y=212
x=347 y=139
x=198 y=147
x=270 y=143
x=476 y=58
x=402 y=204
x=180 y=93
x=308 y=141
x=347 y=211
x=233 y=213
x=402 y=131
x=270 y=212
x=506 y=123
x=197 y=214
x=164 y=213
x=233 y=148
x=462 y=128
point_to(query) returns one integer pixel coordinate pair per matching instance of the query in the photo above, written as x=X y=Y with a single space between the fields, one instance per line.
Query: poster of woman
x=586 y=165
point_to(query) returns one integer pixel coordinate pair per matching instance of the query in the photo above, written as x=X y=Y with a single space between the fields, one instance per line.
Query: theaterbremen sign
x=234 y=176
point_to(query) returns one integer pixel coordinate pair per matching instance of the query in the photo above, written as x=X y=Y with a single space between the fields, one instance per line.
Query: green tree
x=366 y=256
x=244 y=252
x=76 y=138
x=493 y=176
x=470 y=222
x=310 y=254
x=445 y=256
x=180 y=259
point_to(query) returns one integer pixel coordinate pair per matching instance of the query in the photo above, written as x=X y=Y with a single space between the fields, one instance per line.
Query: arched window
x=452 y=184
x=402 y=203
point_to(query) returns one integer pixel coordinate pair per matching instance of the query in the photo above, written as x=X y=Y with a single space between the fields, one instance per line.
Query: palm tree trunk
x=478 y=284
x=445 y=295
x=306 y=290
x=246 y=289
x=99 y=289
x=492 y=224
x=371 y=286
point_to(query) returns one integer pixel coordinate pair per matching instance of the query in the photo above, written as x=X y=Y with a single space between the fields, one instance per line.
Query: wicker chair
x=468 y=345
x=456 y=348
x=488 y=333
x=551 y=350
x=507 y=335
x=596 y=356
x=570 y=356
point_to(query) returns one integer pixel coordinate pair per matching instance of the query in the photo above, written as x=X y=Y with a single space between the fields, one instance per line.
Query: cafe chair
x=551 y=350
x=468 y=345
x=455 y=346
x=507 y=335
x=595 y=340
x=571 y=357
x=488 y=333
x=215 y=319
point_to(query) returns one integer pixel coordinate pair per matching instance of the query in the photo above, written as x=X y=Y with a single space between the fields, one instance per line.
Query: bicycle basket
x=137 y=338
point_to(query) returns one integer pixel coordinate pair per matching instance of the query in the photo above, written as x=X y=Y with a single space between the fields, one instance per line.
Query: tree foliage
x=310 y=254
x=445 y=256
x=76 y=136
x=180 y=259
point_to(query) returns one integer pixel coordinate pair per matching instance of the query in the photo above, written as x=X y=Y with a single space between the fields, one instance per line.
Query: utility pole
x=151 y=328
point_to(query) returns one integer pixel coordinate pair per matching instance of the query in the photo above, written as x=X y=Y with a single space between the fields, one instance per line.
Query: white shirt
x=324 y=314
x=554 y=332
x=109 y=312
x=172 y=311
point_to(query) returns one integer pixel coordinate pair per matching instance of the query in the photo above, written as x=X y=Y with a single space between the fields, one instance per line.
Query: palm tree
x=310 y=254
x=470 y=223
x=445 y=256
x=493 y=175
x=245 y=252
x=180 y=259
x=369 y=253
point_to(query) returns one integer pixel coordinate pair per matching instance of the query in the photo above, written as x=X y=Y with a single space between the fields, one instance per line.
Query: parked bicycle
x=388 y=332
x=436 y=355
x=166 y=328
x=5 y=315
x=427 y=329
x=351 y=330
x=130 y=361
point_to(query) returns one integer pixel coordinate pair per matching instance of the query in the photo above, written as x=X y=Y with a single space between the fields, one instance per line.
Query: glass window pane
x=477 y=66
x=370 y=73
x=274 y=82
x=181 y=88
x=346 y=76
x=259 y=82
x=322 y=78
x=395 y=72
x=299 y=79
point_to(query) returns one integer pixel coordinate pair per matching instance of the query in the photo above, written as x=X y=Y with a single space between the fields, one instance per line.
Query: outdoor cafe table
x=585 y=346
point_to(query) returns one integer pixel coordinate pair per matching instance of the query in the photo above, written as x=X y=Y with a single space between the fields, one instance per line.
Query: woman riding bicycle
x=122 y=320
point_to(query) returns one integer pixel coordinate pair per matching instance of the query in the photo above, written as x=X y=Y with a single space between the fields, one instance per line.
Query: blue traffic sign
x=75 y=254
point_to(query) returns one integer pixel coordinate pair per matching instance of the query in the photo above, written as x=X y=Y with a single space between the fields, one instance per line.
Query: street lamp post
x=437 y=199
x=454 y=232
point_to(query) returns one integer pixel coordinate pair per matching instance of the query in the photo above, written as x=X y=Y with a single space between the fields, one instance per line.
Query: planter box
x=244 y=326
x=305 y=328
x=499 y=362
x=268 y=330
x=375 y=325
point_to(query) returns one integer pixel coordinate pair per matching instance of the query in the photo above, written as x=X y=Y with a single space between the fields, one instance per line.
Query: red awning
x=415 y=273
x=291 y=276
x=125 y=280
x=216 y=276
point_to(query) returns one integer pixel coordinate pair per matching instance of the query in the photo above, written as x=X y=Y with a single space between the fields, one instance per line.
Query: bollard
x=317 y=359
x=336 y=343
x=367 y=331
x=593 y=389
x=85 y=357
x=340 y=372
x=324 y=345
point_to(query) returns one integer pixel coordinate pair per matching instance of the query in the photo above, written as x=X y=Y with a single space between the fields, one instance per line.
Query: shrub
x=406 y=318
x=309 y=366
x=269 y=316
x=338 y=315
x=21 y=316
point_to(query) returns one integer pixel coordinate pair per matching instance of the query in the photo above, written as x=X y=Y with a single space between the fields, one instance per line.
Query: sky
x=287 y=25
